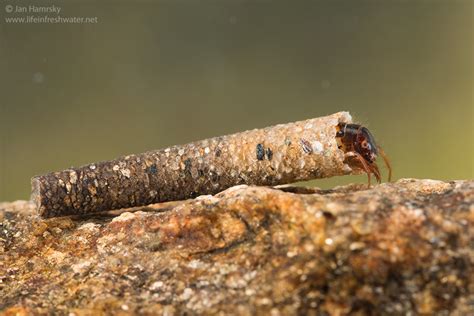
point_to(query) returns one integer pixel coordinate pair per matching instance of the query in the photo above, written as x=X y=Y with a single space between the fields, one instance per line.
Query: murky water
x=148 y=75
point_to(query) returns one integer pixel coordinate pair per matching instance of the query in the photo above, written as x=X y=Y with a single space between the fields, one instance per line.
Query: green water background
x=153 y=74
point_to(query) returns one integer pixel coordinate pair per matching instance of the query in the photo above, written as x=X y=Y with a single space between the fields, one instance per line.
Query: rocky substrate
x=400 y=248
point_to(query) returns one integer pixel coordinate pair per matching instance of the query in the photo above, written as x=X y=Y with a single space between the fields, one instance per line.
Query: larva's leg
x=364 y=165
x=376 y=172
x=387 y=162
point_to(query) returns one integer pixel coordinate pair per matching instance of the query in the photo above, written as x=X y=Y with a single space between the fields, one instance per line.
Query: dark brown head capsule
x=356 y=139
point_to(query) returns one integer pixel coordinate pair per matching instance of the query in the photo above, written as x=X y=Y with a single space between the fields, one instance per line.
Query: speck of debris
x=269 y=154
x=152 y=169
x=73 y=177
x=260 y=152
x=307 y=148
x=125 y=173
x=68 y=187
x=156 y=285
x=317 y=147
x=187 y=167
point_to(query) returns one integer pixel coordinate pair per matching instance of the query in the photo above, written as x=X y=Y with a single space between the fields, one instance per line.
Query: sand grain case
x=274 y=155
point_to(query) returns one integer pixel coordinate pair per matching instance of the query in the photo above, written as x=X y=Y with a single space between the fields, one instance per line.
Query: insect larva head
x=365 y=145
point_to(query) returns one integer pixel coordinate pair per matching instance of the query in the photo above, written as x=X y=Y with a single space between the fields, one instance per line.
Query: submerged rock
x=399 y=248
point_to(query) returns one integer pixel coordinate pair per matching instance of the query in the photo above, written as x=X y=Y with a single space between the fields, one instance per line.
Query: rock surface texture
x=401 y=248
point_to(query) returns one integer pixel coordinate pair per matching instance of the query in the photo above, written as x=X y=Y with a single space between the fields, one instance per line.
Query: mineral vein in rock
x=274 y=155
